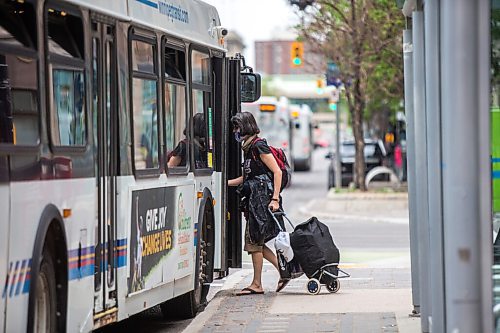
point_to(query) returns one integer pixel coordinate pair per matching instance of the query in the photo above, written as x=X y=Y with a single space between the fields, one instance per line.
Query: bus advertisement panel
x=156 y=241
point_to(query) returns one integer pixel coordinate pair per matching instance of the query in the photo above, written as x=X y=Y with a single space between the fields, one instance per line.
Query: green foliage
x=364 y=39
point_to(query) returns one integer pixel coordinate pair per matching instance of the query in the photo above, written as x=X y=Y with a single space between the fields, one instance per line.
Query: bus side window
x=66 y=70
x=176 y=130
x=19 y=112
x=145 y=105
x=202 y=141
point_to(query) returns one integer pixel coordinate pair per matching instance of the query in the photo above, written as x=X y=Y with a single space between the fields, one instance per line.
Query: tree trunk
x=356 y=110
x=359 y=161
x=357 y=127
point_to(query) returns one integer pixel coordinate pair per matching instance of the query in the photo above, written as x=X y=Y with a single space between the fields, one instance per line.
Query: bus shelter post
x=420 y=141
x=466 y=169
x=411 y=177
x=433 y=112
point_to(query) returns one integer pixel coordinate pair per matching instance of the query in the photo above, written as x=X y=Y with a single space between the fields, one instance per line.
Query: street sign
x=332 y=74
x=334 y=98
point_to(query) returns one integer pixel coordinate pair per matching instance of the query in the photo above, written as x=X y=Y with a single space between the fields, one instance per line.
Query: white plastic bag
x=282 y=245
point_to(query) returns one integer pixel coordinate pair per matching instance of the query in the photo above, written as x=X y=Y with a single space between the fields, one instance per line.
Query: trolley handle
x=280 y=212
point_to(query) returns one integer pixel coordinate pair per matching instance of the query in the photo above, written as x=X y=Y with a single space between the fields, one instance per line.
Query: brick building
x=275 y=57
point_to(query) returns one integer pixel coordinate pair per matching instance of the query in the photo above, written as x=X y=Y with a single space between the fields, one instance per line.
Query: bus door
x=4 y=234
x=233 y=168
x=104 y=118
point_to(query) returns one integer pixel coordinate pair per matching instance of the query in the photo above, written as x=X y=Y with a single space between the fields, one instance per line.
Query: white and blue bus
x=302 y=136
x=115 y=152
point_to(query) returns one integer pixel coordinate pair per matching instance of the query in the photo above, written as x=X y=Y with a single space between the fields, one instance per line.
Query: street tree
x=363 y=38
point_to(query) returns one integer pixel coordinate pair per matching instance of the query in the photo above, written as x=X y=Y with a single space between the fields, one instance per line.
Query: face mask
x=238 y=137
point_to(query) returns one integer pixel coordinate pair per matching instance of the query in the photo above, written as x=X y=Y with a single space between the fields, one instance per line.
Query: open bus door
x=105 y=141
x=6 y=130
x=243 y=86
x=233 y=168
x=4 y=233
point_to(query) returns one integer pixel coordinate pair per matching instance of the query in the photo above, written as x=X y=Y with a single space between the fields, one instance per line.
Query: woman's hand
x=235 y=181
x=274 y=205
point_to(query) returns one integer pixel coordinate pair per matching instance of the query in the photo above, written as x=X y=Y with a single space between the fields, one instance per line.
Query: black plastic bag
x=261 y=224
x=313 y=247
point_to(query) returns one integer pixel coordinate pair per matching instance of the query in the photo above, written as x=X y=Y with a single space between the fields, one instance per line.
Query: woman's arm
x=235 y=181
x=270 y=162
x=174 y=161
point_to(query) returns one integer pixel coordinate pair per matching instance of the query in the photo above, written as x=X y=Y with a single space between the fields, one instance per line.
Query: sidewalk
x=376 y=298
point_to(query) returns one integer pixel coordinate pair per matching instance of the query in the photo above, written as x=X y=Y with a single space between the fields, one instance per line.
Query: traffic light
x=320 y=84
x=302 y=4
x=297 y=54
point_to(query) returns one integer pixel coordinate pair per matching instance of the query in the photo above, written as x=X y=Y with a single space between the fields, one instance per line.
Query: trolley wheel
x=313 y=286
x=334 y=286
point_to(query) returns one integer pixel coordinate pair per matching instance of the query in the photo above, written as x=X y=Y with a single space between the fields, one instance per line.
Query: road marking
x=276 y=318
x=274 y=324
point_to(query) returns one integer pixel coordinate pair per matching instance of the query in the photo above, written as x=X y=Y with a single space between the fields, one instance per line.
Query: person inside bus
x=178 y=157
x=259 y=164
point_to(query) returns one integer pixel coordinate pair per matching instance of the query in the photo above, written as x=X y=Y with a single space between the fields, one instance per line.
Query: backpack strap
x=252 y=148
x=257 y=159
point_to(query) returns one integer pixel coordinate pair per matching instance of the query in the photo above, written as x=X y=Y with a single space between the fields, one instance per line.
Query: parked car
x=375 y=154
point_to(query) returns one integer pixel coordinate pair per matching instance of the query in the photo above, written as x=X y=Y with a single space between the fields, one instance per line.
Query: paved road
x=359 y=235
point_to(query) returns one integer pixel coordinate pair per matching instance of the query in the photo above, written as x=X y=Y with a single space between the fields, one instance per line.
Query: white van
x=302 y=137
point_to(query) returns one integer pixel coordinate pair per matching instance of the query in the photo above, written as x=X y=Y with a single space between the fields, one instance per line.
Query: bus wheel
x=187 y=305
x=45 y=318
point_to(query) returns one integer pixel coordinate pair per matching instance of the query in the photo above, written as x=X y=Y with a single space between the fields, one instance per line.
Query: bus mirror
x=250 y=87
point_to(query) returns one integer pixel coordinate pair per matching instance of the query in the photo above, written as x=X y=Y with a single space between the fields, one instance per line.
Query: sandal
x=249 y=291
x=282 y=284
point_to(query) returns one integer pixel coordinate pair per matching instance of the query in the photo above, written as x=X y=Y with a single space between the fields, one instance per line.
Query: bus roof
x=193 y=20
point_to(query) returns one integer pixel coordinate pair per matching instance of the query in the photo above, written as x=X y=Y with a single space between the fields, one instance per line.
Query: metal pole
x=421 y=166
x=484 y=160
x=466 y=169
x=410 y=139
x=338 y=170
x=433 y=111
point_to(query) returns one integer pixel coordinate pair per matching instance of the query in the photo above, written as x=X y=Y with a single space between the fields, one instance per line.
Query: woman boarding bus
x=95 y=226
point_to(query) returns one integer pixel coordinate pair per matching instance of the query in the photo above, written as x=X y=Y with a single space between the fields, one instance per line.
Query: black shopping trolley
x=316 y=253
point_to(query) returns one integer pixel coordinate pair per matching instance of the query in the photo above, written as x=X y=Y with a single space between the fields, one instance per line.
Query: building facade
x=274 y=57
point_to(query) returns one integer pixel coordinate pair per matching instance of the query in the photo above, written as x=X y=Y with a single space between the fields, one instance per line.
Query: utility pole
x=338 y=166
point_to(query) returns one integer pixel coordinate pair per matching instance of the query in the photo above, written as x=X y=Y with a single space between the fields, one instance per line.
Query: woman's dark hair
x=246 y=123
x=199 y=125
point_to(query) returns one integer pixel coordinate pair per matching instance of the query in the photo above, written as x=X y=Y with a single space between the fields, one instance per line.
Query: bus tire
x=45 y=310
x=187 y=305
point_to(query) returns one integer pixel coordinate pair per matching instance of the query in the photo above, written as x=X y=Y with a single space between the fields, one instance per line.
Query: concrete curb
x=367 y=196
x=213 y=305
x=309 y=211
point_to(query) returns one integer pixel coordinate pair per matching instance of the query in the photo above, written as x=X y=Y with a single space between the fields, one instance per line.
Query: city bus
x=302 y=136
x=273 y=118
x=115 y=152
